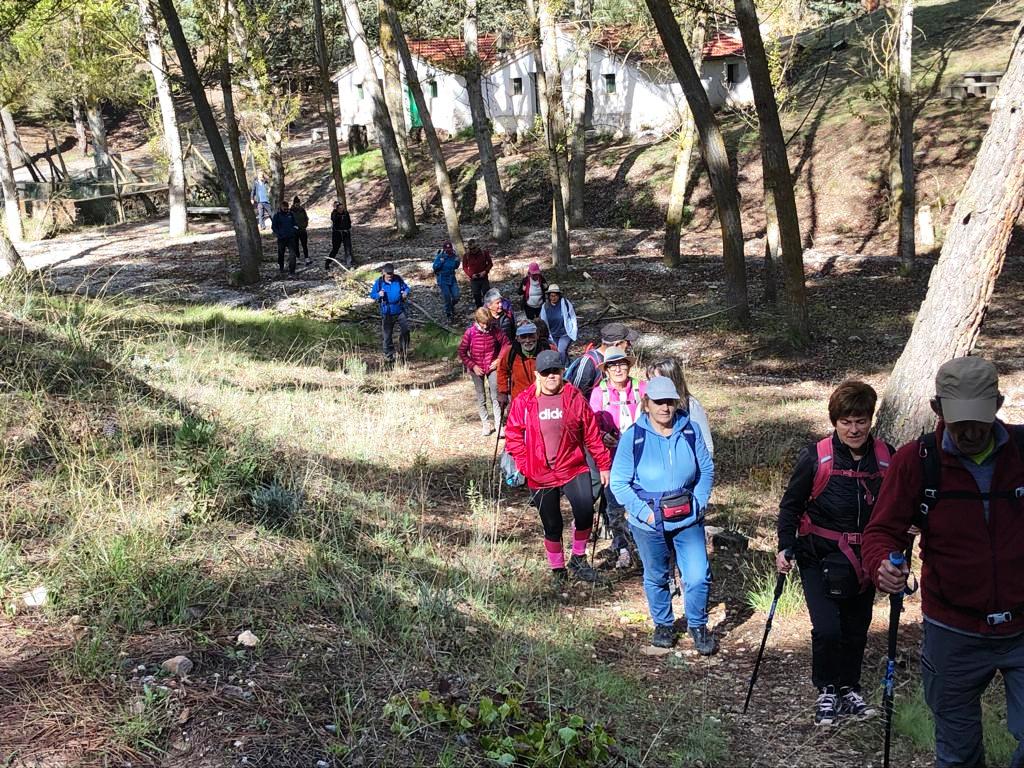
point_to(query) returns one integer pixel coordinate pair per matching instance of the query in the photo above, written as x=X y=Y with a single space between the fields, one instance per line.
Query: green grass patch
x=434 y=343
x=705 y=743
x=369 y=165
x=760 y=591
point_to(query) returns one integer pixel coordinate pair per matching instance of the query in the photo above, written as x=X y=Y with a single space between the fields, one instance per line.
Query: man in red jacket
x=548 y=426
x=477 y=264
x=963 y=487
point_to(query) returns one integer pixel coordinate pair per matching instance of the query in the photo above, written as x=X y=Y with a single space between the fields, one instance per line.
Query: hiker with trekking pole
x=390 y=292
x=663 y=475
x=822 y=515
x=548 y=428
x=962 y=486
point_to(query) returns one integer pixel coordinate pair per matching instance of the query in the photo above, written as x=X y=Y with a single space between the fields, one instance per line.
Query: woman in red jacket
x=547 y=430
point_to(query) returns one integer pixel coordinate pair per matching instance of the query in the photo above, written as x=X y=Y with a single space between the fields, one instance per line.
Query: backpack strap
x=823 y=468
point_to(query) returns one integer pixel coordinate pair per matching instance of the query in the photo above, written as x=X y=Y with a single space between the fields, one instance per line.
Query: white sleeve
x=700 y=417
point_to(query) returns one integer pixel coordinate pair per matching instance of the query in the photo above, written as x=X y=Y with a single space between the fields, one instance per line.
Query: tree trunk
x=12 y=207
x=578 y=139
x=500 y=227
x=972 y=256
x=772 y=245
x=14 y=146
x=101 y=155
x=444 y=184
x=777 y=177
x=559 y=229
x=274 y=139
x=712 y=145
x=178 y=219
x=553 y=91
x=78 y=115
x=401 y=194
x=10 y=259
x=908 y=190
x=327 y=92
x=393 y=94
x=687 y=139
x=231 y=124
x=247 y=236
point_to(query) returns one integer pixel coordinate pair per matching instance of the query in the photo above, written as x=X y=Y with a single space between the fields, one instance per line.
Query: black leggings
x=839 y=631
x=548 y=503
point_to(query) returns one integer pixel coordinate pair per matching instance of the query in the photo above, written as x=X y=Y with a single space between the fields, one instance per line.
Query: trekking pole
x=898 y=559
x=780 y=583
x=497 y=438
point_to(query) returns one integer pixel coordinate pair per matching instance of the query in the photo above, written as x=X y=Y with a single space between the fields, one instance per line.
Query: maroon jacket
x=970 y=567
x=480 y=347
x=475 y=261
x=523 y=439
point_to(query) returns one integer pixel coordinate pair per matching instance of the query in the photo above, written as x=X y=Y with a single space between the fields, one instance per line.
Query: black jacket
x=842 y=506
x=301 y=217
x=340 y=220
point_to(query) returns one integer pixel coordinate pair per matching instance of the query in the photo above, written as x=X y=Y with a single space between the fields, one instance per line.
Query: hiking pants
x=303 y=236
x=956 y=669
x=262 y=213
x=548 y=503
x=532 y=313
x=479 y=286
x=387 y=331
x=481 y=399
x=691 y=554
x=340 y=238
x=563 y=343
x=292 y=246
x=839 y=631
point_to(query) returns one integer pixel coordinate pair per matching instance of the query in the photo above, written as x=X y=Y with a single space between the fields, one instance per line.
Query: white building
x=633 y=89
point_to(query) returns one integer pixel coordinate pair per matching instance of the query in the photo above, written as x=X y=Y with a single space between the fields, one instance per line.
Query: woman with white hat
x=560 y=317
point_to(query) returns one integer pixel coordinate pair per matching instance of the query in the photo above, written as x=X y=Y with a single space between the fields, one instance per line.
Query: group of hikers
x=290 y=225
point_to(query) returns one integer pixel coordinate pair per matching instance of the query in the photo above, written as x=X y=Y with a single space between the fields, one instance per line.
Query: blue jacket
x=394 y=294
x=445 y=267
x=283 y=225
x=667 y=463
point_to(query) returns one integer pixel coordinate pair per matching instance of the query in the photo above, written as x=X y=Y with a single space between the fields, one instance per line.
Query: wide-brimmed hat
x=661 y=388
x=968 y=390
x=553 y=288
x=614 y=355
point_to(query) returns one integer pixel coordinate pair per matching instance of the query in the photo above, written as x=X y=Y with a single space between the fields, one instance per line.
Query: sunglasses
x=665 y=401
x=551 y=372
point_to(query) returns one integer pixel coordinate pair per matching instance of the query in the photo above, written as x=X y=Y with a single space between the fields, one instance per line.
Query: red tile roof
x=722 y=45
x=446 y=51
x=623 y=41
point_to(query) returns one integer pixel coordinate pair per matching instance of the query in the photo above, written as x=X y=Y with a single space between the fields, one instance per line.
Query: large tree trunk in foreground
x=10 y=259
x=681 y=174
x=712 y=145
x=393 y=94
x=247 y=236
x=500 y=228
x=12 y=208
x=578 y=139
x=444 y=184
x=327 y=93
x=78 y=115
x=559 y=226
x=100 y=154
x=178 y=219
x=401 y=194
x=778 y=180
x=962 y=281
x=908 y=186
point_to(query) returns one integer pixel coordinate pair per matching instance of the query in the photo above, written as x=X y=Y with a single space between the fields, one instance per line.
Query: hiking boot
x=703 y=640
x=827 y=712
x=853 y=704
x=582 y=570
x=486 y=429
x=664 y=636
x=624 y=560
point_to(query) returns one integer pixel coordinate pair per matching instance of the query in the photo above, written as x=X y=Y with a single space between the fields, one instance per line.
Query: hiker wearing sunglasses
x=616 y=403
x=549 y=426
x=662 y=474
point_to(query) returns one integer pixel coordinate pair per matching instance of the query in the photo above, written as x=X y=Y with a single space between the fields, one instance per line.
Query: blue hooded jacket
x=445 y=266
x=667 y=463
x=394 y=294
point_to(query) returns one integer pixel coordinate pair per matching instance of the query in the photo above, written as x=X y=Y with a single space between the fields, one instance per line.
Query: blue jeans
x=563 y=342
x=692 y=556
x=956 y=669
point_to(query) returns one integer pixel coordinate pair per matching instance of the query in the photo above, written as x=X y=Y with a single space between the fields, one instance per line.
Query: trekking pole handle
x=897 y=558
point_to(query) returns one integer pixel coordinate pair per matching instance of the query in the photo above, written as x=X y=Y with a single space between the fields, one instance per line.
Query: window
x=359 y=92
x=517 y=86
x=433 y=88
x=609 y=84
x=732 y=74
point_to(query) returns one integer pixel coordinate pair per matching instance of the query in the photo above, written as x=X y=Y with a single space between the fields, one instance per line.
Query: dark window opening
x=359 y=91
x=609 y=84
x=433 y=89
x=517 y=86
x=732 y=74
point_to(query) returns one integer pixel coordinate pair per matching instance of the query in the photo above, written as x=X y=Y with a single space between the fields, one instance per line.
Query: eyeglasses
x=551 y=372
x=618 y=364
x=528 y=337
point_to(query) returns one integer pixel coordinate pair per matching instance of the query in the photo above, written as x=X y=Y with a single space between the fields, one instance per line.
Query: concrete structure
x=633 y=89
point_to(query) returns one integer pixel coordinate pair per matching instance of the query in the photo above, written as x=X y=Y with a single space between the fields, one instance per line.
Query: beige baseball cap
x=969 y=389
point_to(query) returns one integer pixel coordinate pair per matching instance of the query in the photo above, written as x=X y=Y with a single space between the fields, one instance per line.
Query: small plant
x=195 y=433
x=761 y=592
x=143 y=721
x=275 y=504
x=705 y=744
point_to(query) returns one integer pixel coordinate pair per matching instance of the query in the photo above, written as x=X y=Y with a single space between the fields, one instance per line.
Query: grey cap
x=614 y=354
x=661 y=388
x=491 y=295
x=968 y=389
x=388 y=269
x=549 y=359
x=615 y=332
x=526 y=329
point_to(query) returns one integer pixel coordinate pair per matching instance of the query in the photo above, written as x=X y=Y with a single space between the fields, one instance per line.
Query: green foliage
x=705 y=744
x=141 y=723
x=275 y=504
x=435 y=343
x=508 y=731
x=368 y=165
x=761 y=591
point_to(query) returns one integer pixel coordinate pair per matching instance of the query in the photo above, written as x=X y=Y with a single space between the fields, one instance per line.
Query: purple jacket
x=480 y=348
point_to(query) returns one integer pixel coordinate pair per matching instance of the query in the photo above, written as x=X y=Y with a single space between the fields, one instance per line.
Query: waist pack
x=841 y=580
x=677 y=507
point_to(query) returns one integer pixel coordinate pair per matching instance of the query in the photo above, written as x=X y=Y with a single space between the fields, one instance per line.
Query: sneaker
x=853 y=704
x=624 y=560
x=664 y=636
x=486 y=429
x=703 y=640
x=827 y=712
x=581 y=569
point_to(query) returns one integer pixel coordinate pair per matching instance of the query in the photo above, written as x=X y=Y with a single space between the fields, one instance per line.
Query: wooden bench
x=207 y=210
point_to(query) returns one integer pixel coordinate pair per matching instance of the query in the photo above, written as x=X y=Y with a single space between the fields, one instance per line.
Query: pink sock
x=556 y=557
x=579 y=541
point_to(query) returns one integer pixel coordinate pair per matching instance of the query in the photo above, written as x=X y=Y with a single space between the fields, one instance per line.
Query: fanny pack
x=840 y=578
x=677 y=506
